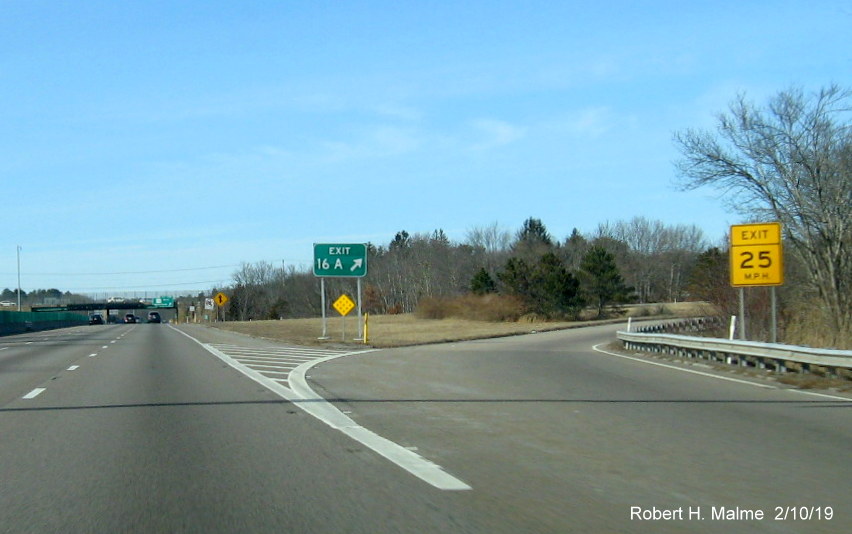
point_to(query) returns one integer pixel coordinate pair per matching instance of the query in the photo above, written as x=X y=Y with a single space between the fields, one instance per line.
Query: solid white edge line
x=34 y=393
x=425 y=470
x=803 y=392
x=710 y=375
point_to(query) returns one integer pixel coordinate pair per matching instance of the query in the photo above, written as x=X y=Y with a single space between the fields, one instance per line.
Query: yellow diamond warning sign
x=343 y=305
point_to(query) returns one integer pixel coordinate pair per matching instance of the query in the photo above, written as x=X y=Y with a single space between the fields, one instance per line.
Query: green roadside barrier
x=15 y=322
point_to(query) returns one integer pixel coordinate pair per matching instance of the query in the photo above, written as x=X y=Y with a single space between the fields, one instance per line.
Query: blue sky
x=154 y=146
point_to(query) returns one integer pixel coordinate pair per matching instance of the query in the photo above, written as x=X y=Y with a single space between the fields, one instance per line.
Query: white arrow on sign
x=357 y=264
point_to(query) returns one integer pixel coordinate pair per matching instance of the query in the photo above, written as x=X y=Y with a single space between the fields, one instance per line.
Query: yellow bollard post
x=366 y=326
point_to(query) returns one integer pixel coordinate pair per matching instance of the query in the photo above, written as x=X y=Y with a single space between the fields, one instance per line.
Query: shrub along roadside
x=490 y=307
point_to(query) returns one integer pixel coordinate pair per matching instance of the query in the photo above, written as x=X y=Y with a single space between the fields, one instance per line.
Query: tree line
x=637 y=260
x=39 y=296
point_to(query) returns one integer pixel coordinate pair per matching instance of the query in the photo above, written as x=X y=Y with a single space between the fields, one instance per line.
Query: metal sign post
x=324 y=318
x=360 y=323
x=773 y=332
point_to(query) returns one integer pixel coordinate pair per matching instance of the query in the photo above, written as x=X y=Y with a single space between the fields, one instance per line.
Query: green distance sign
x=163 y=302
x=340 y=260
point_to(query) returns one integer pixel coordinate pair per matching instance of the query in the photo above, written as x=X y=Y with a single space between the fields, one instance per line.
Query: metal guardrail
x=775 y=356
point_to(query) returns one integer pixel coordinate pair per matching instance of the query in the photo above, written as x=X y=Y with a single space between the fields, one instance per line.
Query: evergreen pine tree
x=532 y=241
x=515 y=277
x=556 y=291
x=482 y=283
x=602 y=279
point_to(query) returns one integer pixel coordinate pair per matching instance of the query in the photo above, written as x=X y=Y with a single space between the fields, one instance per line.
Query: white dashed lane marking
x=38 y=391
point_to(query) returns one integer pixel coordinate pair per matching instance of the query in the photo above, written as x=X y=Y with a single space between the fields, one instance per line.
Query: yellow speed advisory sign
x=756 y=255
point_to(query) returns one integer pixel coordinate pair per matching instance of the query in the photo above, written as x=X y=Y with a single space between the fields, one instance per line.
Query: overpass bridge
x=169 y=304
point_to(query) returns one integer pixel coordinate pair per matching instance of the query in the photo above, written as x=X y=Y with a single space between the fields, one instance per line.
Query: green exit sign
x=340 y=260
x=164 y=302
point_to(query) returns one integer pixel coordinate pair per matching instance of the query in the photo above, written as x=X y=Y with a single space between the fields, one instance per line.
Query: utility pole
x=19 y=277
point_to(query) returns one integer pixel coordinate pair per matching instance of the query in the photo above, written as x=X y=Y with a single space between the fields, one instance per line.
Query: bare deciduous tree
x=788 y=161
x=493 y=242
x=659 y=256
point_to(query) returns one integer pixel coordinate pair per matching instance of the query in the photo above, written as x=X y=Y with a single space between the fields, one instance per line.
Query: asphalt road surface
x=140 y=428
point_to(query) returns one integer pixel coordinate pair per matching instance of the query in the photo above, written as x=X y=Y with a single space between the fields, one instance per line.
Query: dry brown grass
x=492 y=307
x=808 y=381
x=408 y=329
x=807 y=326
x=383 y=330
x=670 y=309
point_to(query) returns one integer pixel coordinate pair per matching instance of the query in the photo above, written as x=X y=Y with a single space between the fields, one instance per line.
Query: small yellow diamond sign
x=343 y=305
x=220 y=299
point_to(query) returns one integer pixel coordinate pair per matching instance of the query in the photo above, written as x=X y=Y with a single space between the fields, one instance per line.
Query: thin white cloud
x=379 y=141
x=494 y=133
x=398 y=111
x=590 y=122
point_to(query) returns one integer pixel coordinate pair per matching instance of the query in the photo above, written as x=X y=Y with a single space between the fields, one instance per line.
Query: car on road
x=154 y=317
x=96 y=318
x=129 y=318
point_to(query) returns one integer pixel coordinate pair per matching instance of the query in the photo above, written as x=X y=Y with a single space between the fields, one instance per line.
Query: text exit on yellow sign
x=756 y=255
x=343 y=305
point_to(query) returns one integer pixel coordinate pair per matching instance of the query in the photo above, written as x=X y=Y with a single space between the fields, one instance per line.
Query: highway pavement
x=152 y=428
x=571 y=439
x=152 y=433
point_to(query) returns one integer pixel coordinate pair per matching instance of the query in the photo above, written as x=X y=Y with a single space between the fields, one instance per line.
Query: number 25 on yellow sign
x=756 y=255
